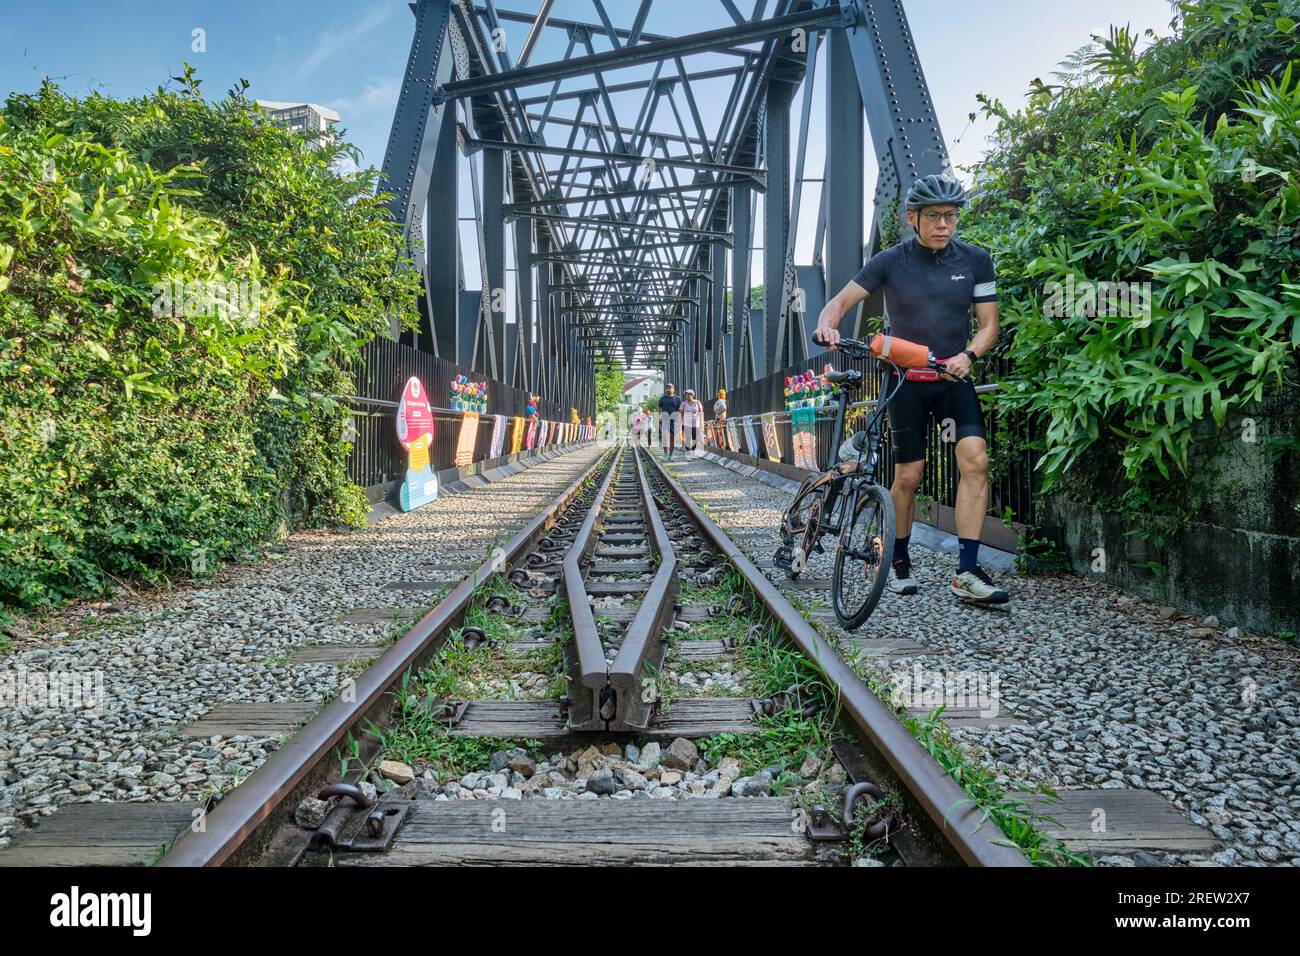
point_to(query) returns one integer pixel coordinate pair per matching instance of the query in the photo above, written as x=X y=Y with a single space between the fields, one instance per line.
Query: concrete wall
x=1240 y=558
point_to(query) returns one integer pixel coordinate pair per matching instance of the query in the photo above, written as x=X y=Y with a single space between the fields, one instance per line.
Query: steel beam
x=776 y=221
x=629 y=55
x=844 y=189
x=417 y=123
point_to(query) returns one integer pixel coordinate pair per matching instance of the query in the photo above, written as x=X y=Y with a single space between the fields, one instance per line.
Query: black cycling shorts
x=919 y=406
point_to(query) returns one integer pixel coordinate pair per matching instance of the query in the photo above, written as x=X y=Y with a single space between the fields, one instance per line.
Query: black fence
x=1011 y=469
x=378 y=378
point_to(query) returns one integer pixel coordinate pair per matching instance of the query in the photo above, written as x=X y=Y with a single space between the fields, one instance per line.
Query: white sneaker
x=976 y=587
x=900 y=579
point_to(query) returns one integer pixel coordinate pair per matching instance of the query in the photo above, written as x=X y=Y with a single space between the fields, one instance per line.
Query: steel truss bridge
x=630 y=168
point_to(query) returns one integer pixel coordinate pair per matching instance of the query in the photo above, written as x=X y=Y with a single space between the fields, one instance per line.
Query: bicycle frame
x=863 y=468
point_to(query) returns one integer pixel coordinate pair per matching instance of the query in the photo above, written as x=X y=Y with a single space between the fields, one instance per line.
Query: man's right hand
x=827 y=336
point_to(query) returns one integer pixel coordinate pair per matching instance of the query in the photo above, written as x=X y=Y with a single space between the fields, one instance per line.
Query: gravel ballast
x=1108 y=690
x=164 y=659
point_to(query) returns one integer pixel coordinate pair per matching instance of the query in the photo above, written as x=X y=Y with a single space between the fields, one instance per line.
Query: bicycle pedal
x=782 y=558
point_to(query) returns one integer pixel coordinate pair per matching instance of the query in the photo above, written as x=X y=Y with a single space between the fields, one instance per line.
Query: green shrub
x=133 y=441
x=1175 y=166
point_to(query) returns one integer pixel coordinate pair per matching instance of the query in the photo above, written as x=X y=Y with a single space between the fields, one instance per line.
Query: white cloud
x=378 y=96
x=335 y=39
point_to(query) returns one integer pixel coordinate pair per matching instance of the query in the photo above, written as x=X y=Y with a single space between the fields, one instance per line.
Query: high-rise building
x=305 y=118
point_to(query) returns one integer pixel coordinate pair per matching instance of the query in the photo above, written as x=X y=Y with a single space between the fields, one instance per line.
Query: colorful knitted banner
x=498 y=435
x=752 y=448
x=733 y=436
x=805 y=437
x=516 y=435
x=770 y=441
x=530 y=438
x=468 y=438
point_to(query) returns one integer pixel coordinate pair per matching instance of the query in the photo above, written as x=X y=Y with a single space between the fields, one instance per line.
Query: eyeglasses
x=932 y=217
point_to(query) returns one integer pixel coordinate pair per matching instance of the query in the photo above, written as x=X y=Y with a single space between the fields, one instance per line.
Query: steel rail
x=643 y=643
x=238 y=828
x=585 y=664
x=959 y=822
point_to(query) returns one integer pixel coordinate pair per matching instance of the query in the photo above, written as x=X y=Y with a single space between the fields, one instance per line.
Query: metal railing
x=1011 y=462
x=377 y=457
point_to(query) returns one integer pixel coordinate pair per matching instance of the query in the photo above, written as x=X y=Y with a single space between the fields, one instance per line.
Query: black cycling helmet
x=935 y=190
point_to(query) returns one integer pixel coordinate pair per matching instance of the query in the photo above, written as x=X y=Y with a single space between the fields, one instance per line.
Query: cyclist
x=669 y=404
x=930 y=283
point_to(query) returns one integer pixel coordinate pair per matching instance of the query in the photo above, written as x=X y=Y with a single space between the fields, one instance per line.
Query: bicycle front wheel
x=864 y=555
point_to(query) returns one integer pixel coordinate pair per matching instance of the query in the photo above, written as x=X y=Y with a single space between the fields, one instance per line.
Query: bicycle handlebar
x=859 y=349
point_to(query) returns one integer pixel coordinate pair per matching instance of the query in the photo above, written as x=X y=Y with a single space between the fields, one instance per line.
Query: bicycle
x=847 y=501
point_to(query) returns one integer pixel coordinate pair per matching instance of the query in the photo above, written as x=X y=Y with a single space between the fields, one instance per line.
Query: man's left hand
x=957 y=367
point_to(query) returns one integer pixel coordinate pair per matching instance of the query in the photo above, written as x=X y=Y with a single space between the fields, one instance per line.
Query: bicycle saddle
x=850 y=378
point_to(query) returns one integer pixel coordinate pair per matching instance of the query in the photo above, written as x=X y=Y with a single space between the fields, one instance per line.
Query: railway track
x=619 y=685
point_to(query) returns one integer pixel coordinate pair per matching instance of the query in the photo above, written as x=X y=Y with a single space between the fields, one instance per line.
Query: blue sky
x=350 y=55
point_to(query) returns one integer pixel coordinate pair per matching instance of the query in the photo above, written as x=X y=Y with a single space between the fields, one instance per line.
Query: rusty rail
x=959 y=822
x=585 y=659
x=238 y=828
x=643 y=644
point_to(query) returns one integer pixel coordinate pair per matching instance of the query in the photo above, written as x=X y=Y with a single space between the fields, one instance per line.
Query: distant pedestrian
x=636 y=423
x=720 y=417
x=692 y=420
x=669 y=418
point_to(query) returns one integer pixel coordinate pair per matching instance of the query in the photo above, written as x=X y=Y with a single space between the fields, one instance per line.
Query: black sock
x=900 y=550
x=969 y=554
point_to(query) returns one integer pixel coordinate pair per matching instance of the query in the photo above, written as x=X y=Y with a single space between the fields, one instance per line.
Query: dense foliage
x=145 y=432
x=1177 y=166
x=609 y=387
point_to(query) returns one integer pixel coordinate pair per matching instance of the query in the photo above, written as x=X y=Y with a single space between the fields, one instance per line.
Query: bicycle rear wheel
x=864 y=555
x=799 y=524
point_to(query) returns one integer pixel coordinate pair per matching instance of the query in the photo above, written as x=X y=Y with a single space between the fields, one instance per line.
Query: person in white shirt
x=692 y=420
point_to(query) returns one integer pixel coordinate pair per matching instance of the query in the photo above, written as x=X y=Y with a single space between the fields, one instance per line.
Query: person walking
x=669 y=418
x=931 y=284
x=692 y=420
x=636 y=423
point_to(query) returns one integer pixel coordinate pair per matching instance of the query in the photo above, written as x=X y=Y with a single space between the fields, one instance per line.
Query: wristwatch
x=971 y=354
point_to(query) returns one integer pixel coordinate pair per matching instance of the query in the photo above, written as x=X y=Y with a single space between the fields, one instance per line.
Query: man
x=669 y=403
x=930 y=282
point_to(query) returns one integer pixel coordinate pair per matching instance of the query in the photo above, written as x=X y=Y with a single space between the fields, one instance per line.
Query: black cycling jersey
x=928 y=293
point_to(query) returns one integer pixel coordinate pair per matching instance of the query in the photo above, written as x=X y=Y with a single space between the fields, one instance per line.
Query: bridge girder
x=599 y=248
